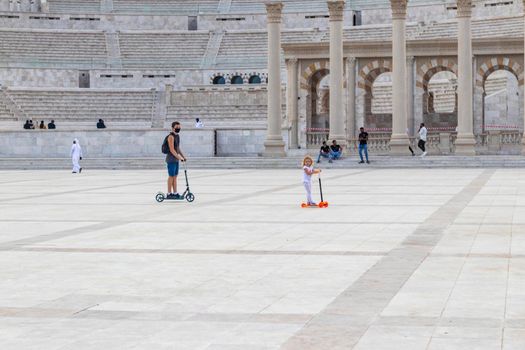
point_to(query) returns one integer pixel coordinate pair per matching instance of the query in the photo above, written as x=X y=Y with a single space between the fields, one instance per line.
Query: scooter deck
x=318 y=205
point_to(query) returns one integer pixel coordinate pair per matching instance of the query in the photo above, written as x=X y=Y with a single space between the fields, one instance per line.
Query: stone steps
x=269 y=163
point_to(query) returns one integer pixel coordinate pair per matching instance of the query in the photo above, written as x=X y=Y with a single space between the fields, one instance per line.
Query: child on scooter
x=308 y=171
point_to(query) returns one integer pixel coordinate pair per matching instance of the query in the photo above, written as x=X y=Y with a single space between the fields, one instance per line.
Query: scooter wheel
x=304 y=205
x=160 y=197
x=325 y=205
x=190 y=197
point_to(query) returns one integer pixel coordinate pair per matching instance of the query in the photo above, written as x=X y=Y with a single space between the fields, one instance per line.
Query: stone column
x=465 y=143
x=291 y=104
x=350 y=116
x=410 y=94
x=337 y=120
x=399 y=141
x=523 y=137
x=274 y=144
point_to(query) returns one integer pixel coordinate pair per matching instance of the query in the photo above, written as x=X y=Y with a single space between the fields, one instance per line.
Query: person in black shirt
x=51 y=125
x=335 y=150
x=100 y=124
x=363 y=145
x=27 y=126
x=173 y=156
x=324 y=152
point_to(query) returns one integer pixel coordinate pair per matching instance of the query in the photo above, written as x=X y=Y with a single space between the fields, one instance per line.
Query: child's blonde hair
x=306 y=158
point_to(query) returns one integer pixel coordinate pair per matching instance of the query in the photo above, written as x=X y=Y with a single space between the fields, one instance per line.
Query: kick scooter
x=322 y=203
x=187 y=195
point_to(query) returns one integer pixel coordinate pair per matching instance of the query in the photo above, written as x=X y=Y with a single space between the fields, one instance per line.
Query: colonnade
x=402 y=72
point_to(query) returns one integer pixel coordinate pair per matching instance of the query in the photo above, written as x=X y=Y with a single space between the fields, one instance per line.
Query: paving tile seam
x=198 y=251
x=133 y=218
x=126 y=315
x=292 y=318
x=255 y=252
x=327 y=330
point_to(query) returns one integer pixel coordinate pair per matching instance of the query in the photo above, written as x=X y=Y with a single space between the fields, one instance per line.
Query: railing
x=315 y=138
x=442 y=143
x=499 y=142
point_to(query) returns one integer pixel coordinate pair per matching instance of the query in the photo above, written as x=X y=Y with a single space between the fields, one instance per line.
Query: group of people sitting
x=332 y=152
x=28 y=125
x=335 y=151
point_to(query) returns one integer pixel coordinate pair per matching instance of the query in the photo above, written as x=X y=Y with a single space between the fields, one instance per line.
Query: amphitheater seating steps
x=76 y=105
x=74 y=6
x=243 y=50
x=162 y=49
x=6 y=114
x=257 y=6
x=495 y=85
x=220 y=116
x=166 y=6
x=49 y=45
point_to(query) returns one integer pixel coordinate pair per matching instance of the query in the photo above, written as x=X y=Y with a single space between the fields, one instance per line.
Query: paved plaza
x=402 y=259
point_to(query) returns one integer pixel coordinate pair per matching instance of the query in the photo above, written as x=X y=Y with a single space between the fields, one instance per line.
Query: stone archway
x=487 y=67
x=430 y=116
x=315 y=122
x=366 y=78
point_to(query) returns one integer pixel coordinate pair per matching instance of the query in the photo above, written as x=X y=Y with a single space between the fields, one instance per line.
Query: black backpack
x=165 y=145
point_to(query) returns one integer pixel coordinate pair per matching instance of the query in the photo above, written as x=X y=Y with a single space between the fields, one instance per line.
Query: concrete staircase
x=270 y=163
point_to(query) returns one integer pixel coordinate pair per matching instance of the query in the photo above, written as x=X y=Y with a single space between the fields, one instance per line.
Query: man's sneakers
x=362 y=162
x=424 y=154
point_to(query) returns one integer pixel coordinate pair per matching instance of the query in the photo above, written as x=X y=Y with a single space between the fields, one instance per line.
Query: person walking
x=363 y=145
x=171 y=147
x=76 y=156
x=422 y=139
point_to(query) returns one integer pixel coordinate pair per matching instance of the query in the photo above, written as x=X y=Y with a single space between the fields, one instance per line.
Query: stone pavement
x=402 y=259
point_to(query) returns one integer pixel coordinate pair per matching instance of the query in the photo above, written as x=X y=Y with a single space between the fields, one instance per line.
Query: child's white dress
x=307 y=182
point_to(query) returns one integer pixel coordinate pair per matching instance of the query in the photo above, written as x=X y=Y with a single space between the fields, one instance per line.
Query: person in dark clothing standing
x=173 y=156
x=363 y=145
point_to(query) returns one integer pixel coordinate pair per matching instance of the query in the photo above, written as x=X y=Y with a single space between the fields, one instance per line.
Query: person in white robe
x=76 y=156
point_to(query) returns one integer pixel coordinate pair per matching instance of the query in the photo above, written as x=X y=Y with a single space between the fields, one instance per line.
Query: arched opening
x=219 y=80
x=501 y=102
x=440 y=102
x=319 y=100
x=254 y=79
x=378 y=102
x=237 y=80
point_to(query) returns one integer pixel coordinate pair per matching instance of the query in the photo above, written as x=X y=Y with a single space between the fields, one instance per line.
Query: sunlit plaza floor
x=402 y=259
